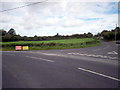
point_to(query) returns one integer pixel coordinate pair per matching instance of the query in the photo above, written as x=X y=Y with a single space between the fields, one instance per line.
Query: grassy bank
x=52 y=44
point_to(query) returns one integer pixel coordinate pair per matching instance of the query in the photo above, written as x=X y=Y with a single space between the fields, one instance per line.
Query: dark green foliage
x=55 y=44
x=3 y=32
x=110 y=35
x=11 y=32
x=11 y=36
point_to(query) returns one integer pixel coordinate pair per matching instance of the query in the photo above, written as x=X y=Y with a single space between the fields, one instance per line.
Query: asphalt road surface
x=94 y=67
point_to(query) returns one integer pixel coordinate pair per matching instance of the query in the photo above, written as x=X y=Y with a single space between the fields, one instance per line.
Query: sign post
x=25 y=48
x=18 y=47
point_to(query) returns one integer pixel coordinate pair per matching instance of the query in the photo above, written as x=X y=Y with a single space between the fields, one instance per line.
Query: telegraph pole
x=115 y=32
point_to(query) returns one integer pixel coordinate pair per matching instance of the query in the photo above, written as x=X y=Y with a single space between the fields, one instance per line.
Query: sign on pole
x=25 y=48
x=18 y=47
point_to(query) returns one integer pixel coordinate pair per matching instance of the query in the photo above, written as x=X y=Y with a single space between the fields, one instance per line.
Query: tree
x=11 y=32
x=75 y=36
x=89 y=35
x=117 y=30
x=57 y=35
x=3 y=32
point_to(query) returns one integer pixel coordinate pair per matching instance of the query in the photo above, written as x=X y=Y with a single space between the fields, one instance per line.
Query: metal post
x=115 y=33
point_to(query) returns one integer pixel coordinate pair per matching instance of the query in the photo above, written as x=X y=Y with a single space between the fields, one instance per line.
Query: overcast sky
x=63 y=17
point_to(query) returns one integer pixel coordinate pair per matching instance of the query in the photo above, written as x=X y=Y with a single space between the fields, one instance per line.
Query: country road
x=93 y=67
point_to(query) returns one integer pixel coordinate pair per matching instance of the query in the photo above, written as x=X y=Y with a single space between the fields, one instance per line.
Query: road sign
x=18 y=47
x=25 y=47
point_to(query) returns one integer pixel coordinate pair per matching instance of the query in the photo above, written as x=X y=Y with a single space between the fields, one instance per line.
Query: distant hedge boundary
x=51 y=45
x=48 y=44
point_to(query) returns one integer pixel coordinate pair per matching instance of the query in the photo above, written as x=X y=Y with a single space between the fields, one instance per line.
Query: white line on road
x=92 y=55
x=93 y=72
x=115 y=52
x=41 y=59
x=50 y=54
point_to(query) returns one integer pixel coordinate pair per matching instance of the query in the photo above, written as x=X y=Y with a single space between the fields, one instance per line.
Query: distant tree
x=11 y=32
x=103 y=32
x=3 y=32
x=84 y=35
x=109 y=36
x=89 y=35
x=7 y=38
x=16 y=38
x=57 y=35
x=0 y=39
x=35 y=36
x=75 y=36
x=117 y=30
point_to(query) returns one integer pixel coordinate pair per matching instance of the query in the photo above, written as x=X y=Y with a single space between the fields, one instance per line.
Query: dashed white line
x=41 y=59
x=115 y=52
x=99 y=55
x=100 y=74
x=92 y=55
x=96 y=56
x=105 y=56
x=113 y=58
x=89 y=55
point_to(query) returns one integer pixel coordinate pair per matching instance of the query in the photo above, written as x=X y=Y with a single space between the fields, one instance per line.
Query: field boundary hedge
x=51 y=45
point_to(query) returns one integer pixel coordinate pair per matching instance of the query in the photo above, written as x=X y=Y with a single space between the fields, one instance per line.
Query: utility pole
x=115 y=32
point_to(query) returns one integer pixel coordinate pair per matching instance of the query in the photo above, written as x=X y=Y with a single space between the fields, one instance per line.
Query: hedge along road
x=52 y=44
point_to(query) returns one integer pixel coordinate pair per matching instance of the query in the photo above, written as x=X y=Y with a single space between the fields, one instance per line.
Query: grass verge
x=52 y=44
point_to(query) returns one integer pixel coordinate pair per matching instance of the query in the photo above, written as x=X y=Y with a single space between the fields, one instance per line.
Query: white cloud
x=68 y=22
x=59 y=17
x=60 y=0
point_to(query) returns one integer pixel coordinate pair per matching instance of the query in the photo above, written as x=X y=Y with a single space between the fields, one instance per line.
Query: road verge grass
x=52 y=44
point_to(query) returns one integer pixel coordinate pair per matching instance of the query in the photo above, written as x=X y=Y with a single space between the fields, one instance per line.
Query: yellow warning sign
x=25 y=48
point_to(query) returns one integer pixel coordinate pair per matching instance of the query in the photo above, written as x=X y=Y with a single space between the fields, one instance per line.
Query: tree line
x=12 y=36
x=110 y=35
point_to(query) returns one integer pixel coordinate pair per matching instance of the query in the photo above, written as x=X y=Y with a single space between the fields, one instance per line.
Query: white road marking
x=96 y=56
x=92 y=55
x=115 y=52
x=52 y=54
x=109 y=52
x=100 y=74
x=105 y=56
x=76 y=53
x=41 y=59
x=113 y=58
x=99 y=55
x=69 y=53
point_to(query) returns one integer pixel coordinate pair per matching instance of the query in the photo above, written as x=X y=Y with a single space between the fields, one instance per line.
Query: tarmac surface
x=93 y=67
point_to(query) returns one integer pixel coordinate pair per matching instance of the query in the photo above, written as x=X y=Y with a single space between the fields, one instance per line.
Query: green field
x=52 y=44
